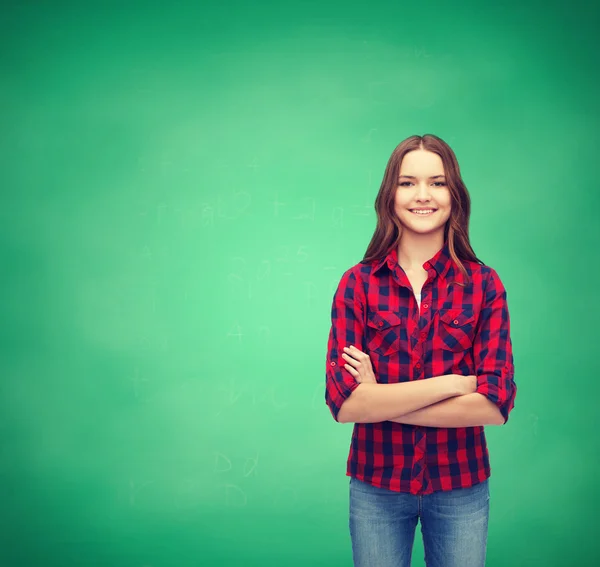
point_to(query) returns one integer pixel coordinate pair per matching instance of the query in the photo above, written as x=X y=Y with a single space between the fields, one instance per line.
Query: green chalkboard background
x=183 y=185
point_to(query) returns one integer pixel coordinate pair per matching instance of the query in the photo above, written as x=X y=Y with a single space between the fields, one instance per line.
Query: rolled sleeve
x=347 y=328
x=492 y=348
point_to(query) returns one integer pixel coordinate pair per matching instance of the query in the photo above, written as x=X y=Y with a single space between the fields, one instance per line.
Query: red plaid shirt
x=459 y=330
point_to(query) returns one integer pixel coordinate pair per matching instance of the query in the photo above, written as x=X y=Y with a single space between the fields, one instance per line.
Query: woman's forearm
x=372 y=403
x=461 y=411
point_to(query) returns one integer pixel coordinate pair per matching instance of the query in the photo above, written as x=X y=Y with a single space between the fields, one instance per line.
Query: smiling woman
x=420 y=360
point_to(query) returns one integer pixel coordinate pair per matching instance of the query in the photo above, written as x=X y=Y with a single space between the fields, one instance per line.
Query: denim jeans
x=454 y=526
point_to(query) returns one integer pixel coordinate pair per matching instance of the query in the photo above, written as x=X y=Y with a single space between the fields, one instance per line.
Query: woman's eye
x=439 y=183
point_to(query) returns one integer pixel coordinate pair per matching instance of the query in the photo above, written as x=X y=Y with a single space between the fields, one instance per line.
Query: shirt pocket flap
x=456 y=317
x=383 y=319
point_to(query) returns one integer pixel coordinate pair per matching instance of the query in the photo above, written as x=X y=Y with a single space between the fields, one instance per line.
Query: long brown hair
x=389 y=230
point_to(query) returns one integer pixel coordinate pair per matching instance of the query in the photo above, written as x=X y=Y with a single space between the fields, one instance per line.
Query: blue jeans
x=454 y=525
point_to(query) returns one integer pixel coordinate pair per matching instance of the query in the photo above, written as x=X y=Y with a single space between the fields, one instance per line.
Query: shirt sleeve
x=492 y=348
x=347 y=328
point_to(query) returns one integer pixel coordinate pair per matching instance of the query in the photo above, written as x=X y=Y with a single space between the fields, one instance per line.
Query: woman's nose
x=422 y=190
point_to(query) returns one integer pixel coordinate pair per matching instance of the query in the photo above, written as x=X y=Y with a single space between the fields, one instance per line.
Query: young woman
x=420 y=360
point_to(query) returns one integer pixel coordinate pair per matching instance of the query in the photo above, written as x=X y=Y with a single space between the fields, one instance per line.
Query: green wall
x=183 y=184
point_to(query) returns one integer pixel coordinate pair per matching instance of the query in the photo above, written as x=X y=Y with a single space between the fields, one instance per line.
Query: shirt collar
x=440 y=262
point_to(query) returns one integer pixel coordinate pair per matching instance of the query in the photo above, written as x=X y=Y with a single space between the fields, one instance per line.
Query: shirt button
x=423 y=336
x=455 y=321
x=425 y=305
x=333 y=364
x=380 y=323
x=418 y=365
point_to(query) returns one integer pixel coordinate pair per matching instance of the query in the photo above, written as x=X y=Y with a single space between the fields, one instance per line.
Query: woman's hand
x=466 y=384
x=359 y=365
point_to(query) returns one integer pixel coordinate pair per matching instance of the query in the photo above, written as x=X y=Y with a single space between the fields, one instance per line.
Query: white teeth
x=423 y=212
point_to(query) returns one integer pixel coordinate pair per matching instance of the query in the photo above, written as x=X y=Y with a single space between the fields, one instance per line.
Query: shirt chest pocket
x=383 y=332
x=455 y=330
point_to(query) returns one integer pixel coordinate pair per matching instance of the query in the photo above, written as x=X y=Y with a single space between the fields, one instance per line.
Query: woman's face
x=422 y=185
